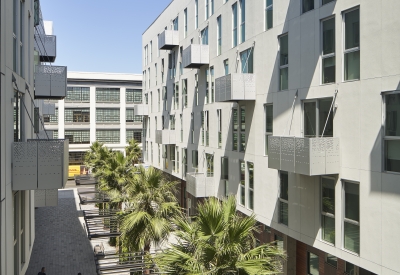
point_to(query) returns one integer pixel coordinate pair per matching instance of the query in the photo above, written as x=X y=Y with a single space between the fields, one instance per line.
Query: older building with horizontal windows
x=293 y=107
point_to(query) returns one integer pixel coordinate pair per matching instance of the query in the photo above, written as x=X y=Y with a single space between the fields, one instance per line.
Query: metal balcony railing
x=168 y=39
x=235 y=87
x=40 y=164
x=200 y=186
x=307 y=156
x=50 y=82
x=46 y=45
x=165 y=137
x=196 y=56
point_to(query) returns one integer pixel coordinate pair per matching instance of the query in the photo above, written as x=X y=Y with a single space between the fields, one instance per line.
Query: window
x=313 y=264
x=196 y=14
x=172 y=122
x=130 y=116
x=175 y=24
x=159 y=100
x=212 y=7
x=107 y=115
x=219 y=117
x=207 y=11
x=76 y=158
x=328 y=209
x=212 y=83
x=326 y=1
x=210 y=165
x=151 y=51
x=242 y=20
x=181 y=119
x=219 y=35
x=242 y=189
x=235 y=25
x=192 y=127
x=317 y=116
x=392 y=132
x=108 y=136
x=172 y=156
x=195 y=159
x=133 y=96
x=250 y=169
x=107 y=95
x=180 y=62
x=184 y=93
x=207 y=98
x=134 y=134
x=15 y=12
x=184 y=161
x=204 y=36
x=242 y=128
x=307 y=5
x=226 y=66
x=332 y=260
x=176 y=96
x=204 y=129
x=159 y=154
x=80 y=94
x=351 y=217
x=328 y=51
x=149 y=77
x=284 y=62
x=246 y=60
x=151 y=101
x=284 y=198
x=51 y=118
x=235 y=129
x=78 y=137
x=77 y=115
x=155 y=73
x=268 y=14
x=162 y=70
x=225 y=173
x=185 y=18
x=165 y=98
x=162 y=122
x=18 y=125
x=279 y=241
x=269 y=125
x=177 y=160
x=352 y=45
x=196 y=87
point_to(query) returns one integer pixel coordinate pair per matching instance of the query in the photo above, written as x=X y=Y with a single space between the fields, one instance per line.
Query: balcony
x=235 y=87
x=141 y=110
x=50 y=82
x=165 y=137
x=46 y=197
x=40 y=164
x=196 y=56
x=307 y=156
x=200 y=186
x=168 y=39
x=46 y=46
x=48 y=108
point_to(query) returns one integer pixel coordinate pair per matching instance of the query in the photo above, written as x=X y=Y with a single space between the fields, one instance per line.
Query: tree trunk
x=146 y=252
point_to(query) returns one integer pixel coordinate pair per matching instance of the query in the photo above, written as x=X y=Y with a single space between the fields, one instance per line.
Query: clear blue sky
x=101 y=35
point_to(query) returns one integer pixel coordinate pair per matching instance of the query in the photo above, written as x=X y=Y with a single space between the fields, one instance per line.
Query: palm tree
x=97 y=156
x=220 y=241
x=133 y=151
x=153 y=207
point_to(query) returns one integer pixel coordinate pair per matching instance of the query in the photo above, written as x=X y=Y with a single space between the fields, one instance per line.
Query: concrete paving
x=61 y=244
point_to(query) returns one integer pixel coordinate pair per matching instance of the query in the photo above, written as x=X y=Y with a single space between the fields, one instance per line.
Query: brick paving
x=61 y=244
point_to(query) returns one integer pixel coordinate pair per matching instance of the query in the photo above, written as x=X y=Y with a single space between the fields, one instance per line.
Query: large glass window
x=235 y=129
x=246 y=60
x=219 y=116
x=392 y=133
x=269 y=125
x=175 y=24
x=352 y=45
x=108 y=95
x=317 y=117
x=172 y=156
x=207 y=9
x=242 y=20
x=78 y=137
x=185 y=18
x=184 y=93
x=107 y=115
x=108 y=136
x=219 y=35
x=51 y=118
x=284 y=62
x=242 y=128
x=284 y=198
x=210 y=165
x=195 y=159
x=268 y=14
x=80 y=94
x=225 y=173
x=130 y=116
x=226 y=66
x=242 y=189
x=196 y=14
x=307 y=5
x=312 y=264
x=250 y=169
x=18 y=98
x=77 y=115
x=352 y=217
x=204 y=36
x=133 y=96
x=134 y=134
x=235 y=25
x=328 y=210
x=328 y=51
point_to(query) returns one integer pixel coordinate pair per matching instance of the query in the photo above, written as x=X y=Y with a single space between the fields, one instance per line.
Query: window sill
x=351 y=80
x=392 y=173
x=327 y=84
x=351 y=252
x=327 y=243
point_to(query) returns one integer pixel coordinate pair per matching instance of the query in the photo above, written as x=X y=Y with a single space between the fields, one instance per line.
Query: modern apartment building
x=32 y=167
x=294 y=107
x=98 y=106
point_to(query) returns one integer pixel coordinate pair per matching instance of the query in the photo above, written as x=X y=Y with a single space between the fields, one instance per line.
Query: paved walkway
x=61 y=244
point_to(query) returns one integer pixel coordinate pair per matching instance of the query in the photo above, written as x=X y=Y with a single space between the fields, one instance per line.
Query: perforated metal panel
x=50 y=82
x=48 y=108
x=46 y=46
x=195 y=56
x=40 y=198
x=236 y=87
x=317 y=156
x=200 y=186
x=168 y=39
x=274 y=152
x=141 y=110
x=51 y=197
x=333 y=156
x=302 y=156
x=25 y=166
x=165 y=136
x=287 y=154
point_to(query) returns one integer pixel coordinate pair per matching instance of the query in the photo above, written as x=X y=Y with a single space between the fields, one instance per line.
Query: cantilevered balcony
x=196 y=56
x=50 y=82
x=307 y=156
x=168 y=39
x=200 y=186
x=45 y=198
x=141 y=110
x=40 y=164
x=235 y=87
x=165 y=137
x=48 y=108
x=46 y=46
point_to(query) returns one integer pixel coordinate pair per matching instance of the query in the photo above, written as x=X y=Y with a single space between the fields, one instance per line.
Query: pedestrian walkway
x=61 y=244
